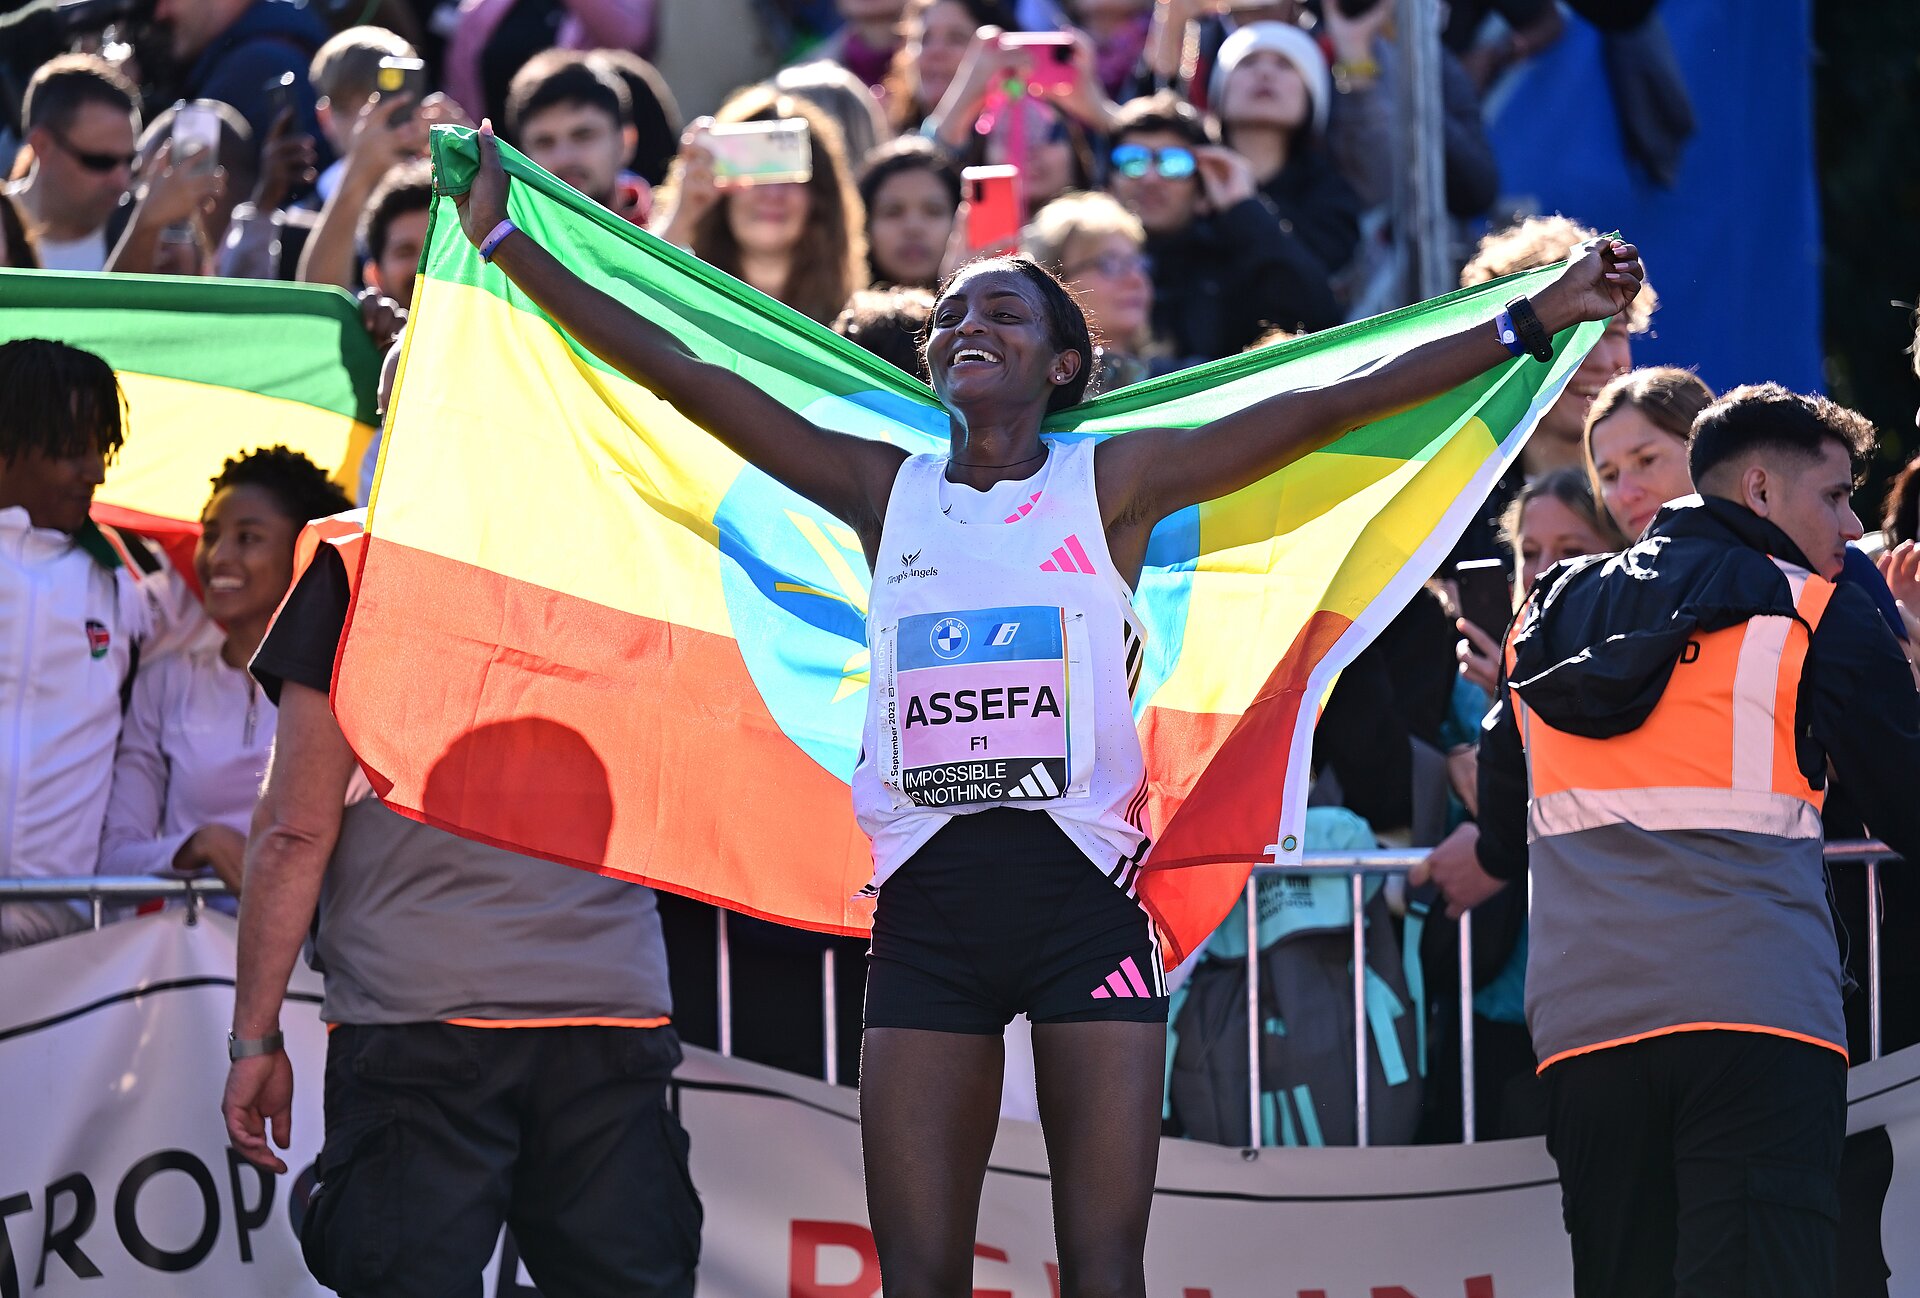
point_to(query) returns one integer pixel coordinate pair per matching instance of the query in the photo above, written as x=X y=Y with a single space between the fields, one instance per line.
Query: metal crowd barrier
x=1356 y=866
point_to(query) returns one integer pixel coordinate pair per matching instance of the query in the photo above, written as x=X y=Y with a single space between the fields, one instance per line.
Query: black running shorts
x=998 y=914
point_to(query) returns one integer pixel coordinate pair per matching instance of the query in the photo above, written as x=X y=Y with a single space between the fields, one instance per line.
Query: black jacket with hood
x=1611 y=630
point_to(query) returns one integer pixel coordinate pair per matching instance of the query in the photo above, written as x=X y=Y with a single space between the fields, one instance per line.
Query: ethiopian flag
x=211 y=368
x=586 y=630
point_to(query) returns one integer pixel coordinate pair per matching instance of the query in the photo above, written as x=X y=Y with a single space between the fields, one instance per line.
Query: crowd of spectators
x=1205 y=177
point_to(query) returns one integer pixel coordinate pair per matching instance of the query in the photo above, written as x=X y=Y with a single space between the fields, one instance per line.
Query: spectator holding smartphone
x=940 y=40
x=1223 y=267
x=234 y=50
x=802 y=243
x=80 y=116
x=345 y=74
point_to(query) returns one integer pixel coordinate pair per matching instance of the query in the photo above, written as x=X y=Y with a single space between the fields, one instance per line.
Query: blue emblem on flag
x=949 y=637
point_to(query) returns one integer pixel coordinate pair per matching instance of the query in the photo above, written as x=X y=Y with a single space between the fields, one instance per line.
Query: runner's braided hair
x=298 y=486
x=60 y=401
x=1066 y=323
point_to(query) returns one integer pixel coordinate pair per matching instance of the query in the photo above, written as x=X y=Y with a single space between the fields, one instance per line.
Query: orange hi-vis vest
x=1677 y=868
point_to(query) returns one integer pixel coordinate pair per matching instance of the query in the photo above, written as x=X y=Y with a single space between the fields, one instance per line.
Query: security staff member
x=1657 y=759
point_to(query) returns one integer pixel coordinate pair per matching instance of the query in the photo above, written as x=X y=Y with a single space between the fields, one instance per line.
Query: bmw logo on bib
x=949 y=637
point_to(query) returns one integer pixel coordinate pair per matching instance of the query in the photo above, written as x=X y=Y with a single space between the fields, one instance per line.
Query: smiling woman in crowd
x=802 y=243
x=1636 y=442
x=193 y=747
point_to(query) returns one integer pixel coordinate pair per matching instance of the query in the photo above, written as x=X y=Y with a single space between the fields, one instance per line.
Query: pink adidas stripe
x=1102 y=994
x=1080 y=553
x=1132 y=971
x=1119 y=986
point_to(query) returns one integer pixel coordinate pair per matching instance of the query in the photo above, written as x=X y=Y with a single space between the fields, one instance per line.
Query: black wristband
x=1533 y=335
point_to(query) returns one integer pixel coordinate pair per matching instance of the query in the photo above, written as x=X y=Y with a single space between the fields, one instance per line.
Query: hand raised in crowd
x=219 y=848
x=1226 y=178
x=986 y=64
x=175 y=191
x=1603 y=276
x=376 y=142
x=1901 y=567
x=1353 y=37
x=382 y=317
x=286 y=161
x=691 y=190
x=1479 y=656
x=1087 y=100
x=1454 y=867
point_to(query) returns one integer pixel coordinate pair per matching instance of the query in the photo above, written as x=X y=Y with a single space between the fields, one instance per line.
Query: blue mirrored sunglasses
x=1135 y=160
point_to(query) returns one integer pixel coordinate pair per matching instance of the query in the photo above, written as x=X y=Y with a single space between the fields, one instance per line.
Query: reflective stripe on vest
x=1716 y=753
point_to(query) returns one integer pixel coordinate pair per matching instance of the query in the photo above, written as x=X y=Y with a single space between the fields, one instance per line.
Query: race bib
x=980 y=709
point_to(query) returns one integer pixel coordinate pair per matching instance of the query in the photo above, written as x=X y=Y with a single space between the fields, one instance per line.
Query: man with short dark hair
x=1657 y=762
x=236 y=50
x=573 y=116
x=393 y=230
x=1224 y=270
x=80 y=117
x=80 y=606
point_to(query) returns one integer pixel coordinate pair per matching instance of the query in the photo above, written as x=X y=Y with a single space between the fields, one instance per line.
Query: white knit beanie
x=1294 y=45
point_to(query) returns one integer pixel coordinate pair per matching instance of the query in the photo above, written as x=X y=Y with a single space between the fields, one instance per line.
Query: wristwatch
x=238 y=1049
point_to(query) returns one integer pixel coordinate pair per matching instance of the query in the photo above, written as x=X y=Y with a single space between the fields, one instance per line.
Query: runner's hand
x=484 y=204
x=1603 y=277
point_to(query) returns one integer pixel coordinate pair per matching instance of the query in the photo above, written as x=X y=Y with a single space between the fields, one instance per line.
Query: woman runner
x=997 y=568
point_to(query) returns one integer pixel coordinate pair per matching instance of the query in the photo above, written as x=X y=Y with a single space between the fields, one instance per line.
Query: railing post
x=725 y=963
x=1467 y=1097
x=99 y=911
x=1360 y=1107
x=1253 y=1008
x=1874 y=917
x=830 y=1017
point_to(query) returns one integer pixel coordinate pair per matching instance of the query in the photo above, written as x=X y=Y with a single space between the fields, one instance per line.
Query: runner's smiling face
x=991 y=339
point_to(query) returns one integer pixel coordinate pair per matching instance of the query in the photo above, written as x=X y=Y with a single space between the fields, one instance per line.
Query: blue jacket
x=270 y=38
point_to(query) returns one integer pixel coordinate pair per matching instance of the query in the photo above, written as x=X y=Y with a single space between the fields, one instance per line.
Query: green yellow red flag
x=550 y=543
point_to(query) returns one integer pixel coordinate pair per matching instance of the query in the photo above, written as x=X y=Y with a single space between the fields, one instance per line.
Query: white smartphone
x=761 y=153
x=196 y=138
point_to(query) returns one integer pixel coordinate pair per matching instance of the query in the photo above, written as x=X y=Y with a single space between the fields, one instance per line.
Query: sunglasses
x=1136 y=160
x=100 y=162
x=1113 y=265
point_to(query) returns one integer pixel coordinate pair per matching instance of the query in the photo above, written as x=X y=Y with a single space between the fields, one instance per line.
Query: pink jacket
x=590 y=25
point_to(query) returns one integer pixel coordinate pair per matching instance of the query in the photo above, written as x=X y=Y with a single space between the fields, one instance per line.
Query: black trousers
x=437 y=1135
x=1701 y=1163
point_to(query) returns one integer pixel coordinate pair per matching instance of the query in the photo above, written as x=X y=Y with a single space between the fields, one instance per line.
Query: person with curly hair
x=193 y=747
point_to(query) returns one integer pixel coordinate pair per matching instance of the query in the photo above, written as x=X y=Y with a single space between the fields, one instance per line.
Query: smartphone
x=993 y=205
x=279 y=97
x=761 y=153
x=1049 y=59
x=1486 y=599
x=196 y=138
x=398 y=76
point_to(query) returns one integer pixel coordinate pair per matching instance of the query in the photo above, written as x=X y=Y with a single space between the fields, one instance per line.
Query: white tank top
x=1005 y=655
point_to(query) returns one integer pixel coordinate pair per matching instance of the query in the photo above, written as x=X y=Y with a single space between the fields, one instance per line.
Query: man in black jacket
x=1655 y=764
x=1224 y=269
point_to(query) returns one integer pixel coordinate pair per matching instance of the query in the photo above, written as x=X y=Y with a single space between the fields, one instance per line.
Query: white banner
x=115 y=1177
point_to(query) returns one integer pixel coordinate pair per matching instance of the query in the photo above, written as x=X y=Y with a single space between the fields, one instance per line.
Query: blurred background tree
x=1867 y=136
